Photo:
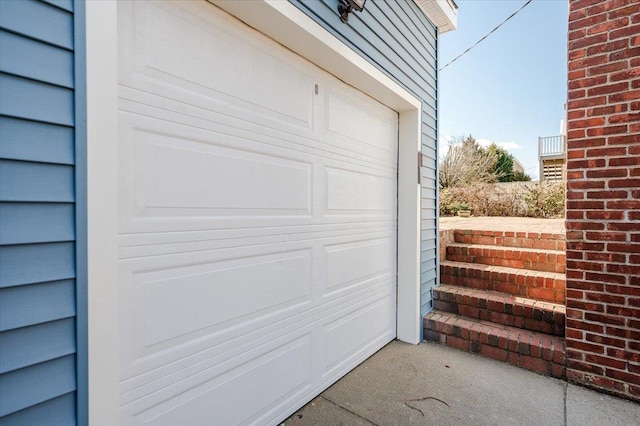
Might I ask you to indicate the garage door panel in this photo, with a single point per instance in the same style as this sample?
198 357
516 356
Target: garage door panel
232 394
355 192
187 355
222 128
353 262
175 176
354 122
172 304
182 300
350 336
218 136
257 226
208 113
374 283
169 303
174 370
152 170
198 39
240 398
168 374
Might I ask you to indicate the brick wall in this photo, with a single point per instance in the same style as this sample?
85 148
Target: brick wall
603 196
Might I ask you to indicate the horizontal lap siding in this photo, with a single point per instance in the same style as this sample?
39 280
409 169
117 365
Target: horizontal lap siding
38 344
399 40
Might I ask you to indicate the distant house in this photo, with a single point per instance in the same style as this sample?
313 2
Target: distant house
552 155
210 211
517 166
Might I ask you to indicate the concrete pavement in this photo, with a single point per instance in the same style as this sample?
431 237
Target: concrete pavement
494 223
431 384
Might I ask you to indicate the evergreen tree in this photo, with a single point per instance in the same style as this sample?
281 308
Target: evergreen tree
504 163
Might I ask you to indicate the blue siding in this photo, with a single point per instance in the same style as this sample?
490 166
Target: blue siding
36 60
38 20
38 142
30 99
58 411
63 4
36 222
22 264
20 389
397 38
29 181
39 333
19 348
22 306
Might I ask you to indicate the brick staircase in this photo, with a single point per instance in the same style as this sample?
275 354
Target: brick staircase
502 296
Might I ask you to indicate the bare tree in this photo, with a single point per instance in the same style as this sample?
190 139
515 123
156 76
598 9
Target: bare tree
466 163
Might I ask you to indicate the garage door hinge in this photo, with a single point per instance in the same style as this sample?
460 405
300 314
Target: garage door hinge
419 167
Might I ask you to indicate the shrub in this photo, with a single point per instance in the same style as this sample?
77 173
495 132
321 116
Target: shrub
451 200
521 177
466 162
546 199
521 199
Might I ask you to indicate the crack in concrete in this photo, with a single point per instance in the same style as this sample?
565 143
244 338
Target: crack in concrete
428 397
406 404
349 411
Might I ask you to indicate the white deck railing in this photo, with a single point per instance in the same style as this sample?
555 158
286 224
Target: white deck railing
551 146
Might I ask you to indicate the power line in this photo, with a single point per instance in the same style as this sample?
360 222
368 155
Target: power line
488 34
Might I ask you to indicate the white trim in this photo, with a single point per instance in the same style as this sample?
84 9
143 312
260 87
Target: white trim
409 147
443 13
102 208
289 26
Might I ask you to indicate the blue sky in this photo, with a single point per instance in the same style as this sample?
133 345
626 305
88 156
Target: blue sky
511 88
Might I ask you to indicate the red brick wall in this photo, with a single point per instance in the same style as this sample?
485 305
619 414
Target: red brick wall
603 196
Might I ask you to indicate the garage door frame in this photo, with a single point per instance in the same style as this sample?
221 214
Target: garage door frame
286 24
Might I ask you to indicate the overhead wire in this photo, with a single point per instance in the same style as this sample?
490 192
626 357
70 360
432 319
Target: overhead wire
487 35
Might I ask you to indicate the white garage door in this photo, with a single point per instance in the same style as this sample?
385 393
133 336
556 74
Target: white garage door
257 221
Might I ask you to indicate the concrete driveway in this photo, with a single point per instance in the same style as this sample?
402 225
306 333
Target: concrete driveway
430 384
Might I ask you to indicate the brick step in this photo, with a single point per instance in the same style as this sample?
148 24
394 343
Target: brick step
512 257
537 352
537 240
538 285
501 308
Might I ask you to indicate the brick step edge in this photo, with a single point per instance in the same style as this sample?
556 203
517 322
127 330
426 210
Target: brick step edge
538 285
538 240
501 308
511 257
537 352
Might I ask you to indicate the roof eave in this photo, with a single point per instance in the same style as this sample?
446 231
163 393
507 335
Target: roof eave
443 13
